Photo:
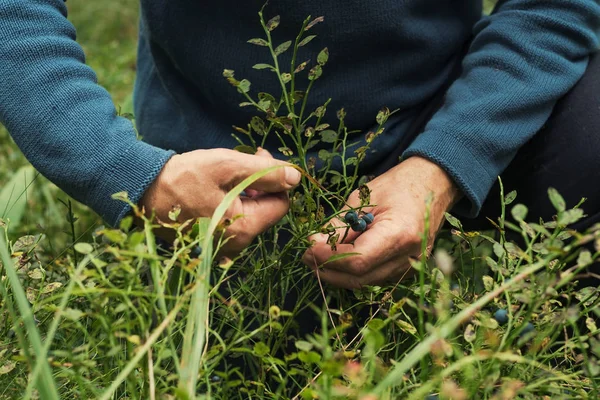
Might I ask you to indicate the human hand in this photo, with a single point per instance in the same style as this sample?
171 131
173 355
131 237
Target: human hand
399 197
197 182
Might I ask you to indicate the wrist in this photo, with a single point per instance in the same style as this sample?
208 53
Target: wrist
436 179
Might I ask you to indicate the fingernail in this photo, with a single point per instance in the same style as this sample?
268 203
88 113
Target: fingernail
292 176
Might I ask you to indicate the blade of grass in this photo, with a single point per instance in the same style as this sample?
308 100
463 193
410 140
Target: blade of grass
142 350
196 330
46 385
54 325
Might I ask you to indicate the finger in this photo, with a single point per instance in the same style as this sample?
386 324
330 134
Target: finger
241 166
260 152
257 215
389 273
375 246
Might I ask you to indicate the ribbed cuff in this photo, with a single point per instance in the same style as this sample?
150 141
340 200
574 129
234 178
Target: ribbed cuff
468 171
137 167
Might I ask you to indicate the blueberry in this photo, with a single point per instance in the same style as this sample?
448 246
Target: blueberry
501 315
368 218
455 286
432 397
351 217
528 328
196 251
215 378
359 226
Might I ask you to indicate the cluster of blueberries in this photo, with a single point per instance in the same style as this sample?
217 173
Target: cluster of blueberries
501 315
358 224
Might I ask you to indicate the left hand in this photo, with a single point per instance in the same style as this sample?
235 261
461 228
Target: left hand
399 197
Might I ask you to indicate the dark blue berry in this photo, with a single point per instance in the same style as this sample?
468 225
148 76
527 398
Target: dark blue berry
359 226
528 328
196 251
432 397
368 218
243 194
351 217
455 286
501 315
215 378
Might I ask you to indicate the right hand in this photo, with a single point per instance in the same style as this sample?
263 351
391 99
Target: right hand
197 181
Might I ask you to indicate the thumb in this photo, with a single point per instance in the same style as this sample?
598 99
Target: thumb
281 179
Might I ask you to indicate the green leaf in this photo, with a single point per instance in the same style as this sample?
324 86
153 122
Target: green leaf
324 155
454 221
286 77
382 116
519 212
282 47
376 324
72 314
301 67
243 148
261 349
14 195
244 86
488 283
51 287
510 197
329 136
306 40
83 248
557 200
273 22
7 367
315 73
469 334
570 216
286 151
263 66
309 357
258 125
303 345
323 56
311 144
314 22
584 258
259 42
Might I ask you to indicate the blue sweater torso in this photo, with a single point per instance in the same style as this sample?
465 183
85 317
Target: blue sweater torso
521 60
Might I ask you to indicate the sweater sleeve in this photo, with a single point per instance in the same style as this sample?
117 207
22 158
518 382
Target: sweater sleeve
522 59
64 123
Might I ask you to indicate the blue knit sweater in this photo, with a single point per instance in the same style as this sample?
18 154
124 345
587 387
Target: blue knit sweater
521 60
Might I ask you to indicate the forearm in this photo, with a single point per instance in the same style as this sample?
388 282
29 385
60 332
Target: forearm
65 123
521 61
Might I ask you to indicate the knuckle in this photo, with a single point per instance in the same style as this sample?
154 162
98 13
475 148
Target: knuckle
359 266
410 238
